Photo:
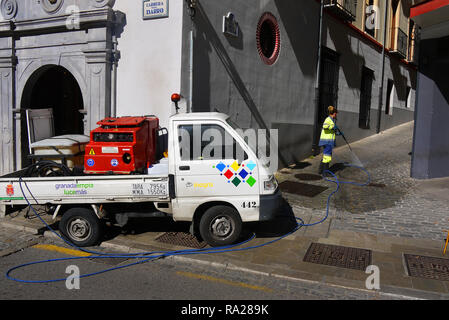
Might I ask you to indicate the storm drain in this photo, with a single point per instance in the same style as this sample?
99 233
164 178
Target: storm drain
181 239
427 267
308 177
302 189
338 256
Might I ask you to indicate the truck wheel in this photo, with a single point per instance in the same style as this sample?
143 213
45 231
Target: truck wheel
81 227
220 226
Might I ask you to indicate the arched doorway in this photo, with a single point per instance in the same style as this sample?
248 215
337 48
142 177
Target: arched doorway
53 87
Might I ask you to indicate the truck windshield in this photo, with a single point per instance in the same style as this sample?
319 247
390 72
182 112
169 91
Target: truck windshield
251 142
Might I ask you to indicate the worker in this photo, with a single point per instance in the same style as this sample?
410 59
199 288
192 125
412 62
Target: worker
327 139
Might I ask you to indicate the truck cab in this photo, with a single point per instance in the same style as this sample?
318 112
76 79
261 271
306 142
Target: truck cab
217 180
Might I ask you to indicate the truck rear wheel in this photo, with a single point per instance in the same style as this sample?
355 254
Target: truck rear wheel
81 227
220 226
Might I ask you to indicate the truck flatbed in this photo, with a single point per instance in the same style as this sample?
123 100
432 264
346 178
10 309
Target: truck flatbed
90 189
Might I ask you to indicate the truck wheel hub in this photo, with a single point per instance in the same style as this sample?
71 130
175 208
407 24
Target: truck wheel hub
221 227
79 229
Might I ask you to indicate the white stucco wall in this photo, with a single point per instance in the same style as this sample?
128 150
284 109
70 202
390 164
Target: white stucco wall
149 70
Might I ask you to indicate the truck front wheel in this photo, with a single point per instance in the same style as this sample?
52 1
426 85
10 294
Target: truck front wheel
81 227
220 226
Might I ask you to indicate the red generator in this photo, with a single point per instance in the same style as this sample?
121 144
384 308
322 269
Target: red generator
122 145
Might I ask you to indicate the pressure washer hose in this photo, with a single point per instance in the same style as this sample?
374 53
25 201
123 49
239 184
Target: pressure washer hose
149 256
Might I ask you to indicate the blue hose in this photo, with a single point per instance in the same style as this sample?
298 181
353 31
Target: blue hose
149 256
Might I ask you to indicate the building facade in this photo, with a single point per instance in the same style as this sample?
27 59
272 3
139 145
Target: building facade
265 75
431 147
255 60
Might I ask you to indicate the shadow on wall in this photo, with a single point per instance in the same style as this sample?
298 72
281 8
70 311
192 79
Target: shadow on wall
400 81
209 35
206 39
202 70
413 78
350 62
299 18
442 63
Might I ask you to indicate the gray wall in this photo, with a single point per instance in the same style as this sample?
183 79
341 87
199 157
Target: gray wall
431 144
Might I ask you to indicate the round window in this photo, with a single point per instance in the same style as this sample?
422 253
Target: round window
51 6
268 38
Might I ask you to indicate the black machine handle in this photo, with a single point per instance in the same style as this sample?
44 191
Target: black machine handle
184 168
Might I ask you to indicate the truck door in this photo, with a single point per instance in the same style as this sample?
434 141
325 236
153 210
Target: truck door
212 165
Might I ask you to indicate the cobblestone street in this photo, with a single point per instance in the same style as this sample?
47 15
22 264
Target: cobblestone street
392 204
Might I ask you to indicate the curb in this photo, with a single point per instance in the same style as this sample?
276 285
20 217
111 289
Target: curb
19 227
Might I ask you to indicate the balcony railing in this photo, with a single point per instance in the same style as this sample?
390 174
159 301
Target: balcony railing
399 46
345 9
413 47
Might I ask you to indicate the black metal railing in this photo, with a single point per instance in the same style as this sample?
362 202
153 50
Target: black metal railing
400 45
413 47
345 9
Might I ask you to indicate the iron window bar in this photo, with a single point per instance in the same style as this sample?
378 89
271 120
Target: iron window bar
345 9
400 43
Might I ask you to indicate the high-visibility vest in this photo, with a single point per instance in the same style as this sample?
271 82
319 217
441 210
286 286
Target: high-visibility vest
328 132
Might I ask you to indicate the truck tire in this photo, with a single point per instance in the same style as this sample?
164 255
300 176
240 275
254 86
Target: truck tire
220 226
81 227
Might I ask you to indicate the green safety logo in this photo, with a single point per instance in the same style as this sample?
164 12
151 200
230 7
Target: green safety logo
238 174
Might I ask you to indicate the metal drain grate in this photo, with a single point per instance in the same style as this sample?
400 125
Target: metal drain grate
181 239
427 267
338 256
302 189
308 176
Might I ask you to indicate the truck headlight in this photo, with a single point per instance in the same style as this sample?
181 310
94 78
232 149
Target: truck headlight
271 184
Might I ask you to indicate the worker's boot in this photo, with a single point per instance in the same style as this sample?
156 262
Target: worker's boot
326 168
320 170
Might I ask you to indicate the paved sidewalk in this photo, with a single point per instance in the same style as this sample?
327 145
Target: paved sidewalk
393 216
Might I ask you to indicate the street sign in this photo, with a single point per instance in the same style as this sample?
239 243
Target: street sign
155 9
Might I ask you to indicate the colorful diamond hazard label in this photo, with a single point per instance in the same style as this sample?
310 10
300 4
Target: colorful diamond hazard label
236 173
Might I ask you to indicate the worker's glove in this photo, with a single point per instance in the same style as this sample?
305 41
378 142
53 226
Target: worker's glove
338 132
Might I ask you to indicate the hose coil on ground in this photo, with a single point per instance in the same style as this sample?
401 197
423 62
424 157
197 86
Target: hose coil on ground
149 256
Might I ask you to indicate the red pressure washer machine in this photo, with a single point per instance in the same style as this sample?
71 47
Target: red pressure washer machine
122 145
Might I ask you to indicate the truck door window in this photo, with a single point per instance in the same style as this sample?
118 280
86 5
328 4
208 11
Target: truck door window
208 142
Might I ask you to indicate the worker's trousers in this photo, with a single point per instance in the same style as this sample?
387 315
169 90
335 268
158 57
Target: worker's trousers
327 153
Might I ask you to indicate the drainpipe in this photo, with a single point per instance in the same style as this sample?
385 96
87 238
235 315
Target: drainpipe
315 148
115 55
190 104
381 89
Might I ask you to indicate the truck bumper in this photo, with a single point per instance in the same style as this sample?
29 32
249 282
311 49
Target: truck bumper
270 205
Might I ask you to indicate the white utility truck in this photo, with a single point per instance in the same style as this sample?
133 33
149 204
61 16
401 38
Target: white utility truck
216 191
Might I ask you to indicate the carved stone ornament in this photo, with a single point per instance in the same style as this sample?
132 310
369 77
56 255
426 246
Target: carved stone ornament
51 6
9 9
102 3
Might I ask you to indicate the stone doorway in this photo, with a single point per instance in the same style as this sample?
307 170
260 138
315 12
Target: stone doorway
53 87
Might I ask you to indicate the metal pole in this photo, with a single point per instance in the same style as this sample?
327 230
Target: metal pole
190 106
315 148
381 89
114 77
